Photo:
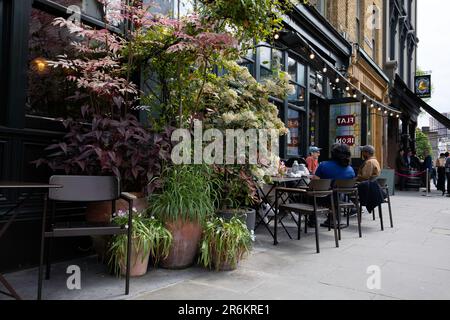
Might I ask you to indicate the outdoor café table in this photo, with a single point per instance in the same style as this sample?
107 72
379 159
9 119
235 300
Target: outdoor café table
277 182
30 188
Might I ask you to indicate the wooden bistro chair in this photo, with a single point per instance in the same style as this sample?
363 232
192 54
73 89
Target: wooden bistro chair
387 199
347 199
318 189
83 189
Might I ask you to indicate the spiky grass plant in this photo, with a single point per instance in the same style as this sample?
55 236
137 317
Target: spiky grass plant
224 243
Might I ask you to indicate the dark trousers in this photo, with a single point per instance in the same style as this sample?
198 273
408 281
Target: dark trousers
448 183
441 179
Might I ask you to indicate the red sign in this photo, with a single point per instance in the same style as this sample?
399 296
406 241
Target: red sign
348 140
345 121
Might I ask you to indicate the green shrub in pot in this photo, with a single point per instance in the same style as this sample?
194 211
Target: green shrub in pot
224 243
149 238
184 203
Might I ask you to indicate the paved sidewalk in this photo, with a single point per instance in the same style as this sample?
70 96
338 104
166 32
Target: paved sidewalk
414 260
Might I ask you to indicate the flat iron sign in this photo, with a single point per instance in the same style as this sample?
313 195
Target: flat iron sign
348 140
345 126
345 120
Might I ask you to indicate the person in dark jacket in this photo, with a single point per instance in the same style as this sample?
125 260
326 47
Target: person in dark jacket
402 168
440 168
447 172
428 165
415 161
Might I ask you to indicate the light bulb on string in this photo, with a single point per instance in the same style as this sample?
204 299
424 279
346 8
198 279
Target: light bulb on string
347 88
325 69
365 100
276 36
337 80
372 105
312 56
354 94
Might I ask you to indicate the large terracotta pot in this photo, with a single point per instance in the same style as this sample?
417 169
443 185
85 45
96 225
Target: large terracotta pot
186 239
139 263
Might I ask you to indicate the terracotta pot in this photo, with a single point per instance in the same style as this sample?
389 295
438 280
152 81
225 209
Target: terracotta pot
139 263
100 212
226 266
186 239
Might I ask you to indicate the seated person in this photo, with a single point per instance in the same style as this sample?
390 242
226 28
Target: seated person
313 159
370 169
338 168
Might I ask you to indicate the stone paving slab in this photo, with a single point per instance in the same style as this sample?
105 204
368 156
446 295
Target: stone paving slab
413 257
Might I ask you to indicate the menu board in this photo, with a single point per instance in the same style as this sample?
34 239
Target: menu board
345 126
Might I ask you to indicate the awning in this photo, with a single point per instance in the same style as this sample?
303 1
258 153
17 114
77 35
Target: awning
412 98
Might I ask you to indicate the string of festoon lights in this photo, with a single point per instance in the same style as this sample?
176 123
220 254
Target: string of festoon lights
339 81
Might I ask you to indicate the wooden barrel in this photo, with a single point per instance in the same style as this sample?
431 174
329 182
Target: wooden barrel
414 182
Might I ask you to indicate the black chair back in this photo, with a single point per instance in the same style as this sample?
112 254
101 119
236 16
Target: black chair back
85 188
320 185
345 184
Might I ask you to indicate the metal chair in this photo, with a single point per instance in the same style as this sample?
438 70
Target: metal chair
384 186
318 189
83 189
347 198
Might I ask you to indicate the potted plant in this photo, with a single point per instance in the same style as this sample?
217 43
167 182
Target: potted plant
107 146
149 238
237 195
184 202
224 243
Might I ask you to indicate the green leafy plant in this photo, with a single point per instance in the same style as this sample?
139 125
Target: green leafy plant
149 236
188 193
423 145
224 243
251 19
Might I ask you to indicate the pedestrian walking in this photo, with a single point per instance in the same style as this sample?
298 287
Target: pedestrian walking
447 172
428 165
440 168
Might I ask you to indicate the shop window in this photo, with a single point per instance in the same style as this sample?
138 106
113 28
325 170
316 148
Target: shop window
313 128
270 59
293 136
48 88
170 7
298 97
301 72
94 9
292 69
